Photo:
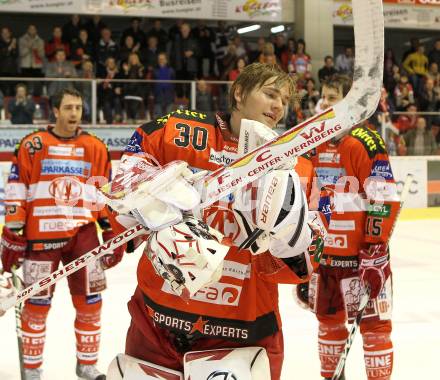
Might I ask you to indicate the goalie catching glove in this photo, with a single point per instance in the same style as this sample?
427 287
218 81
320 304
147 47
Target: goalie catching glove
155 196
188 255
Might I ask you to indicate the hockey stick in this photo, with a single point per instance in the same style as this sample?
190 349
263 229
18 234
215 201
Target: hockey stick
357 106
104 249
366 295
18 309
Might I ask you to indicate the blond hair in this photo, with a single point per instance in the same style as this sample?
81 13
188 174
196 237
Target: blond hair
255 75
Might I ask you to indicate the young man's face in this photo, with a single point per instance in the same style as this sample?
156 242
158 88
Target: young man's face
265 104
330 96
69 114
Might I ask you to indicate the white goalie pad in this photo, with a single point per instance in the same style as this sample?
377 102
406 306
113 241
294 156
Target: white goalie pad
7 291
245 363
125 367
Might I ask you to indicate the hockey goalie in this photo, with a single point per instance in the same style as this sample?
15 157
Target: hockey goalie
197 289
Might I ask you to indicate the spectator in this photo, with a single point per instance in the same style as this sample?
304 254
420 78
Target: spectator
309 98
31 53
94 27
222 35
280 45
434 54
2 100
161 35
149 56
300 63
240 47
420 141
345 62
22 107
127 48
414 44
416 65
85 88
56 43
174 30
428 99
72 28
185 51
434 73
82 49
163 91
328 70
389 62
206 39
435 129
268 56
287 53
8 59
239 66
136 32
60 68
110 93
408 121
403 93
255 54
133 92
391 81
106 48
204 101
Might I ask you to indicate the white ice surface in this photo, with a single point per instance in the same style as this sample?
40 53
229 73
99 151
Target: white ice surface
416 334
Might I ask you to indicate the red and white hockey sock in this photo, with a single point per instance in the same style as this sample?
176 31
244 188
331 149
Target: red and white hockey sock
33 326
331 342
87 327
378 355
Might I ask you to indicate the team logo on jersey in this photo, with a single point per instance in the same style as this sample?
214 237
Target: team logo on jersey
65 167
134 145
329 157
382 168
66 150
223 157
66 190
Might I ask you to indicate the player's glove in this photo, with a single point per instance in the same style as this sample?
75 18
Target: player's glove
374 267
110 260
12 247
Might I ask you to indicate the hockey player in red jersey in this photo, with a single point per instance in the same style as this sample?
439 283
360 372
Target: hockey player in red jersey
51 212
355 169
238 307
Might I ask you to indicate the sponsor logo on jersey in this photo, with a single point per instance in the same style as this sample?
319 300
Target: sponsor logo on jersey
382 168
379 210
222 158
56 225
220 294
329 176
61 210
65 167
67 151
342 225
370 139
134 144
14 173
329 157
236 270
44 246
336 241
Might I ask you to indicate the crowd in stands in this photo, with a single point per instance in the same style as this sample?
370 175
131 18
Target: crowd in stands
90 49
